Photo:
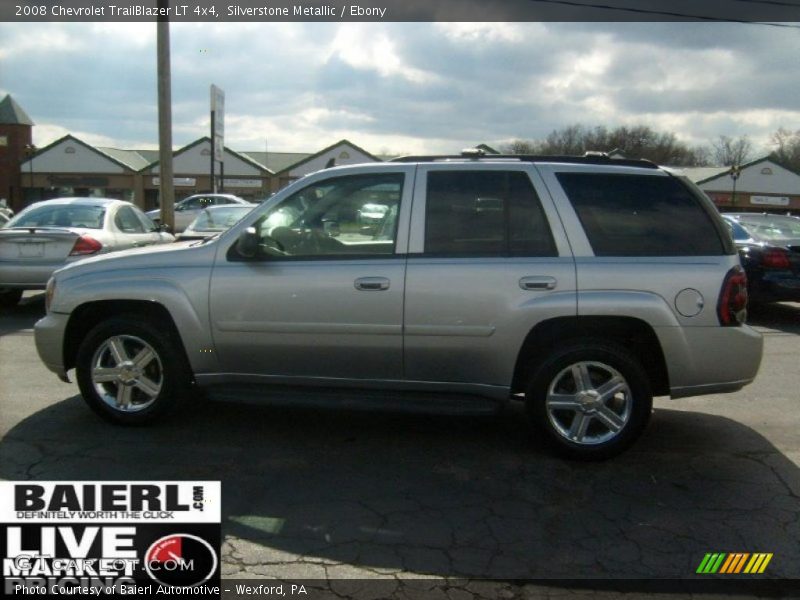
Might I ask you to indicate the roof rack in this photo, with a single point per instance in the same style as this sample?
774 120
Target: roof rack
590 158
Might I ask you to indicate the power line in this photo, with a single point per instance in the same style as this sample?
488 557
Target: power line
665 13
772 2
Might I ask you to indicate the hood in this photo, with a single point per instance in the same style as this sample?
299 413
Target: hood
161 256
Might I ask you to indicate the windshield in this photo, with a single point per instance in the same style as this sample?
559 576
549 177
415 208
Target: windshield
772 227
219 219
60 215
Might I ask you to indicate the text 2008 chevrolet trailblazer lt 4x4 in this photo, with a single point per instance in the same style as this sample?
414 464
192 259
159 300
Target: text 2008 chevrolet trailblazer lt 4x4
582 286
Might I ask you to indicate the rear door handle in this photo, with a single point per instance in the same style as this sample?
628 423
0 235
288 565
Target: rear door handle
372 284
538 282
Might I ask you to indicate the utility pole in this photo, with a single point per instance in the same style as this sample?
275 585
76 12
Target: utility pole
166 179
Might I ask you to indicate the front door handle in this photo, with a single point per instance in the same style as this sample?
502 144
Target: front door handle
538 282
372 284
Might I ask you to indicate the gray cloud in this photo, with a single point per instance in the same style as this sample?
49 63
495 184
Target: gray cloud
431 86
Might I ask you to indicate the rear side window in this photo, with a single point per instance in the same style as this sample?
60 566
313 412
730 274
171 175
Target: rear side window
640 215
485 213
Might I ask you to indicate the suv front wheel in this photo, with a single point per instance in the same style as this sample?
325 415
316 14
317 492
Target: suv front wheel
590 400
131 372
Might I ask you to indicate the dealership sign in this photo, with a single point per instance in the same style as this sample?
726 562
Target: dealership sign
770 200
111 537
178 181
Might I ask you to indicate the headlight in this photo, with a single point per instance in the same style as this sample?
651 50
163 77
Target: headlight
49 292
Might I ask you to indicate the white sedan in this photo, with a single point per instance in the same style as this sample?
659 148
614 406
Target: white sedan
49 234
189 208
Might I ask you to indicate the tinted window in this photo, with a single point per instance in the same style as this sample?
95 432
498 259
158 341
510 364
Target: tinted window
485 213
640 215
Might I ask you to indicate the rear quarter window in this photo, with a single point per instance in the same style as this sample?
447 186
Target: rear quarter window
641 215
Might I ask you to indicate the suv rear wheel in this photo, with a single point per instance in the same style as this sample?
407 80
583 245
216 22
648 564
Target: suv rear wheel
131 372
590 400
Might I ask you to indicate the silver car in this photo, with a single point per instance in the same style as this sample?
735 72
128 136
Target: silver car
214 220
49 234
186 210
579 286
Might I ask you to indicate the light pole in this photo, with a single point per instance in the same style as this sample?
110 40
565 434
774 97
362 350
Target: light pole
736 170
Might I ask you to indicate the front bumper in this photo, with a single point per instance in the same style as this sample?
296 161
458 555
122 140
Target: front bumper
49 335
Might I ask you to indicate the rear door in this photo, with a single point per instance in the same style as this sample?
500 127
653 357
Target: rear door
487 260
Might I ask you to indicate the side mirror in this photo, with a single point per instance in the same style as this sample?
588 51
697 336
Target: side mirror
247 244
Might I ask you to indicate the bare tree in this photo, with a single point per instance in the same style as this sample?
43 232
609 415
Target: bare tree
637 141
787 148
520 147
728 151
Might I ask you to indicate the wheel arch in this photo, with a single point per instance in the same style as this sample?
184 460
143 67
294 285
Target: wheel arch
628 332
88 315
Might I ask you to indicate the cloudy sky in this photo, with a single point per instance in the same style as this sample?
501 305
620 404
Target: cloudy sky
397 87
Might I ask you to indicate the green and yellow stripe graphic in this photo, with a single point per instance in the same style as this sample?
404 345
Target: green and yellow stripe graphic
735 562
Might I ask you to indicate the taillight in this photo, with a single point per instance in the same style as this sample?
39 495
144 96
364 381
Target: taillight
775 258
85 245
732 306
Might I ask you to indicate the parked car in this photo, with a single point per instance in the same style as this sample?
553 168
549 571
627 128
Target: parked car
769 248
214 220
187 209
49 234
586 286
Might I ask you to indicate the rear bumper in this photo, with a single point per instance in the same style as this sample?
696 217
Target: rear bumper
777 287
710 360
32 276
49 336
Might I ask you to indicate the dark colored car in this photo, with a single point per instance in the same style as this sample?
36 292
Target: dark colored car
769 249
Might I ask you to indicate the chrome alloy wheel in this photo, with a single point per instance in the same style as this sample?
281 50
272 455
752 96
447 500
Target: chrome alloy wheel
127 373
589 403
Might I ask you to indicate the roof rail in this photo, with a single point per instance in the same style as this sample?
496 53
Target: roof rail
590 158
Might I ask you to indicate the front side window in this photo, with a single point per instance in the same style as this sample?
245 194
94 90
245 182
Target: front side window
127 222
641 215
485 213
343 216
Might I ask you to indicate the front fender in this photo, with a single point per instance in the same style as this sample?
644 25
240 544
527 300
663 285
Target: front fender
185 299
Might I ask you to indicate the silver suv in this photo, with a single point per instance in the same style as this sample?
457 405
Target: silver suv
582 286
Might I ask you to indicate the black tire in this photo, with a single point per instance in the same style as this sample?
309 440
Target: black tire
576 419
154 388
9 297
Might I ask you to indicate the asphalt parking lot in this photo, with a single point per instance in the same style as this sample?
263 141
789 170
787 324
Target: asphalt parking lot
312 494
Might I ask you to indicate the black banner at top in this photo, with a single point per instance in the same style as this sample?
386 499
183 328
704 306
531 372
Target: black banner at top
783 11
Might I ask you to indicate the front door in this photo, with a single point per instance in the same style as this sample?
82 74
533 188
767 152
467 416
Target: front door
323 297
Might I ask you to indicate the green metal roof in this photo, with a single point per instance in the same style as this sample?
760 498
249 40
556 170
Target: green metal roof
276 161
132 158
